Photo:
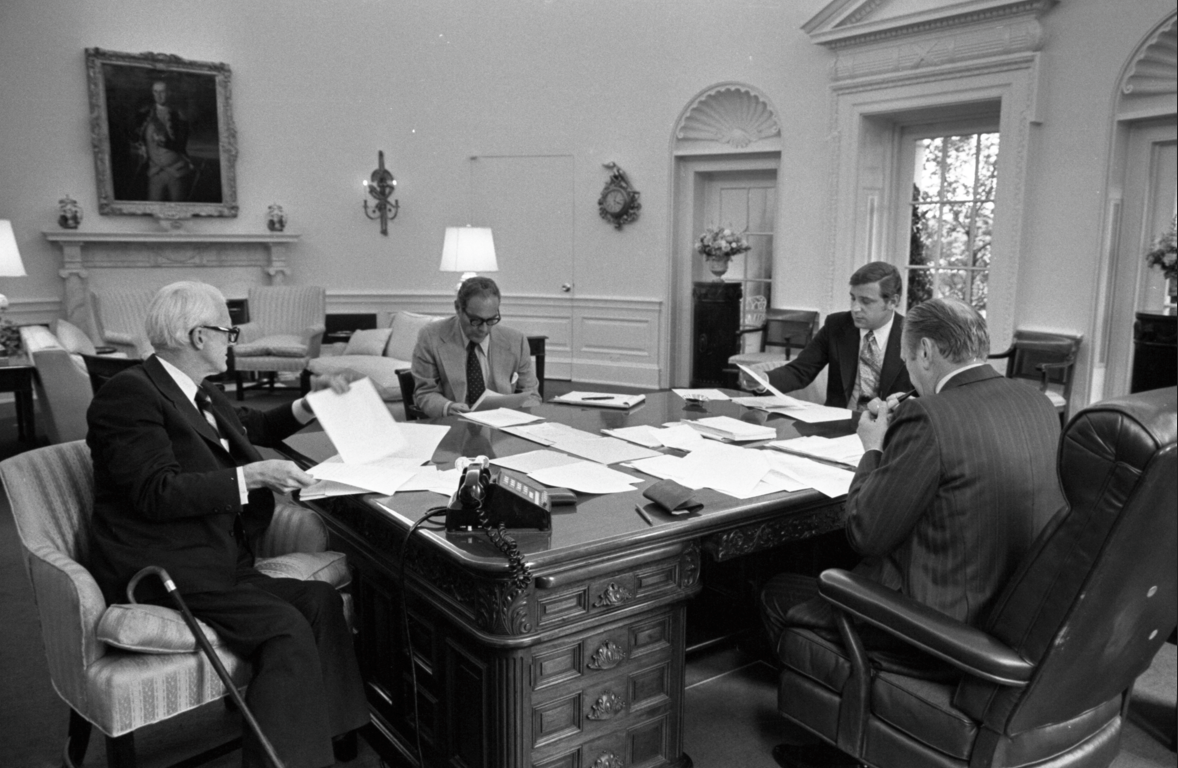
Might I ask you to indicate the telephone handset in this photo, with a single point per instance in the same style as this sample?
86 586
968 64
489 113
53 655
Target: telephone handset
496 503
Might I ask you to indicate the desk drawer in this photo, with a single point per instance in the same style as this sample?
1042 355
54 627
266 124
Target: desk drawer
597 654
643 743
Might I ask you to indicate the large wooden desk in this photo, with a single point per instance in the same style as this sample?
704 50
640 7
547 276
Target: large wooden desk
584 668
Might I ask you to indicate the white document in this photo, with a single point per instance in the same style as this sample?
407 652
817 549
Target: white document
827 480
727 468
648 437
534 460
358 422
430 479
586 477
681 437
774 403
491 399
547 433
382 476
664 467
705 394
811 413
599 399
847 449
421 440
500 417
604 450
728 428
774 482
325 488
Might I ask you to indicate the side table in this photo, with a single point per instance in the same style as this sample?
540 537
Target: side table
17 377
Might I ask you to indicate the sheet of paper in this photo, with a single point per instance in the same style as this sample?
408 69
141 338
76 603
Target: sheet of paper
847 449
815 414
648 437
770 402
599 399
774 482
382 476
681 436
736 430
430 479
534 460
604 450
546 433
421 441
358 422
501 417
325 488
727 468
586 477
706 394
664 467
827 480
490 400
761 378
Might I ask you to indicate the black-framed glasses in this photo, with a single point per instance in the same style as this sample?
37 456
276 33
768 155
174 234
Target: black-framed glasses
479 322
232 333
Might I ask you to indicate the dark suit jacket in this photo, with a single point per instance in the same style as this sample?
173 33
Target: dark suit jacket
165 488
837 345
964 483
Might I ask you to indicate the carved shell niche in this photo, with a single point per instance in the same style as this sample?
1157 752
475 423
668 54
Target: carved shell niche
1154 70
730 115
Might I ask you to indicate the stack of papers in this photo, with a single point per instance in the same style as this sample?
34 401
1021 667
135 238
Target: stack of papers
734 430
701 394
600 399
726 468
500 417
827 480
842 450
792 407
492 399
563 471
603 450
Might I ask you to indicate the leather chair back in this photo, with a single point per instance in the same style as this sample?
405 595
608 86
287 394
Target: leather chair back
1097 596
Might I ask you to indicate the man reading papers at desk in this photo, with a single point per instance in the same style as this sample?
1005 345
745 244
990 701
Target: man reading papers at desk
860 348
179 484
950 493
457 359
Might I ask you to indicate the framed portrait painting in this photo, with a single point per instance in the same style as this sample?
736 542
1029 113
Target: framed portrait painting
163 137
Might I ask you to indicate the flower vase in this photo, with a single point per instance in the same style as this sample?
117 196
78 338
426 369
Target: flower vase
718 266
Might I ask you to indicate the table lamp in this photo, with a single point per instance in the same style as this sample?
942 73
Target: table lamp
468 250
10 263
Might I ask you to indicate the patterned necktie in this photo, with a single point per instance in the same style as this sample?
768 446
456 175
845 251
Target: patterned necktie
867 382
205 407
475 386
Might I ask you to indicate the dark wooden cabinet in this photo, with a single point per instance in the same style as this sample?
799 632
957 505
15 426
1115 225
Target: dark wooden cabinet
1155 351
715 329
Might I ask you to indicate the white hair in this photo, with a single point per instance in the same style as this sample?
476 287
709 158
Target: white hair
178 308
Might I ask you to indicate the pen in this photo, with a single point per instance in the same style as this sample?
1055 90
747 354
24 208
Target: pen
642 513
905 396
599 397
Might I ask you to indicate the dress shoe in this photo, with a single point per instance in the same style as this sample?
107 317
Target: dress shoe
812 756
345 747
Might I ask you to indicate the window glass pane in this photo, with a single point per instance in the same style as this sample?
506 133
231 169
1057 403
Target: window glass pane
983 223
956 221
980 291
920 286
952 283
987 165
761 204
927 181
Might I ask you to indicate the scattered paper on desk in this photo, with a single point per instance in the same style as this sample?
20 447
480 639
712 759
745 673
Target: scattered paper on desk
599 399
604 450
706 394
773 482
421 441
382 476
827 480
325 488
430 479
816 414
728 428
547 433
534 460
847 449
491 399
727 468
500 417
681 436
647 437
586 477
776 403
358 422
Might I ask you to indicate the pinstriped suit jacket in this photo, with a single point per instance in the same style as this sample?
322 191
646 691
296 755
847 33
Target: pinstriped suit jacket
965 481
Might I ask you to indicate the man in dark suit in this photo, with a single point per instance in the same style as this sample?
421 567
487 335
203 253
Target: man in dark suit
178 484
860 348
952 489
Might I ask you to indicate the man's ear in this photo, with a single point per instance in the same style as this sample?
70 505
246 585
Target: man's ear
926 352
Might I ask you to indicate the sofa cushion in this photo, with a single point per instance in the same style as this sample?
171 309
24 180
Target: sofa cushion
150 629
278 345
368 342
404 336
72 338
382 371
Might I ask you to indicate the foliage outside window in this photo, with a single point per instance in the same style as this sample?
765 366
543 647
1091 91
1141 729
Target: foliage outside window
952 218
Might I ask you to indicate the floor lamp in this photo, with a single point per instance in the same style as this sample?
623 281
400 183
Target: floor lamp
468 250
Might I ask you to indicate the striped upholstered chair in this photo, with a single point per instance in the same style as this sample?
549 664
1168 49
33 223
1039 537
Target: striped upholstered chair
121 667
284 332
119 315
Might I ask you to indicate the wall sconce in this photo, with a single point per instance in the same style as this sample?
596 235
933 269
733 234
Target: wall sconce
381 186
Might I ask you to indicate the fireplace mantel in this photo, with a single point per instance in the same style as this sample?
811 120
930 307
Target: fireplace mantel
85 251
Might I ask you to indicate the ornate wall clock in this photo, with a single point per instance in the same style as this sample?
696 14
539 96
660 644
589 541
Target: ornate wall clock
618 203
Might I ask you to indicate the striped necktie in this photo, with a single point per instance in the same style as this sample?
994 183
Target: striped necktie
475 386
206 409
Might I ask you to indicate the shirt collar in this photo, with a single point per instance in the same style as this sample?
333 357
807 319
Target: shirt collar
484 345
182 379
945 379
881 333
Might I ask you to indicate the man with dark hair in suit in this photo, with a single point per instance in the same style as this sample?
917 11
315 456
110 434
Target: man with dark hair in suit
459 358
953 488
860 348
179 485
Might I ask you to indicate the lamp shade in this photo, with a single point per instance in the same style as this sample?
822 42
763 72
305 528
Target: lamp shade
10 263
468 249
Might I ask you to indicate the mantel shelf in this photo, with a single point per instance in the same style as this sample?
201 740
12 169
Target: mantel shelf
81 238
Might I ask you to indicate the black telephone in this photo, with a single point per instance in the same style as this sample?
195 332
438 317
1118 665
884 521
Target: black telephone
496 503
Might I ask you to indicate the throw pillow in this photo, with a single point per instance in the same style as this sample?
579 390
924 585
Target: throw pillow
368 342
150 629
403 339
72 338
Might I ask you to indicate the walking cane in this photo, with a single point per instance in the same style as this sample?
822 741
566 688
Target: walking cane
205 646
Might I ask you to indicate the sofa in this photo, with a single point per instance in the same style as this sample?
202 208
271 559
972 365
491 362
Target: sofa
377 353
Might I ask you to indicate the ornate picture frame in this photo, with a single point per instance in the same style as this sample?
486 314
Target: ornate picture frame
163 136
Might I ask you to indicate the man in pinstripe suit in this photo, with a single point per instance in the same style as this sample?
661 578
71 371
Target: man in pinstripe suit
953 487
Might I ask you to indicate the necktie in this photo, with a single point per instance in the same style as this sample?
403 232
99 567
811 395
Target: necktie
475 386
206 410
867 381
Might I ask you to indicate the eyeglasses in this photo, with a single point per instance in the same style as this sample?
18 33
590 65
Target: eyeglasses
232 333
479 322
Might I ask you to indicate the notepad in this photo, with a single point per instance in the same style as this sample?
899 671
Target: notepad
735 430
600 399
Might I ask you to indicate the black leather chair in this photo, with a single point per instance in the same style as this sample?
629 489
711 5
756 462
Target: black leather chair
1048 359
1046 679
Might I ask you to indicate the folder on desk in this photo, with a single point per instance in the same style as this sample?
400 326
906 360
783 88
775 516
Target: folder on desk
734 430
600 399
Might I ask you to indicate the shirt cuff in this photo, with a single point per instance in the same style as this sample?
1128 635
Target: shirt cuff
302 411
446 408
242 492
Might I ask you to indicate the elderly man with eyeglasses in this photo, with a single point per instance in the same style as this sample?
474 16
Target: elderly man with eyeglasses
179 484
457 359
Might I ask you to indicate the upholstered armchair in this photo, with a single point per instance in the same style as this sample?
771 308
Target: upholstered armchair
1048 360
61 383
284 332
1046 679
120 314
121 667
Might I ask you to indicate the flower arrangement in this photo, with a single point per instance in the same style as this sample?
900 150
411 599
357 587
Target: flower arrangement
1164 255
721 243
